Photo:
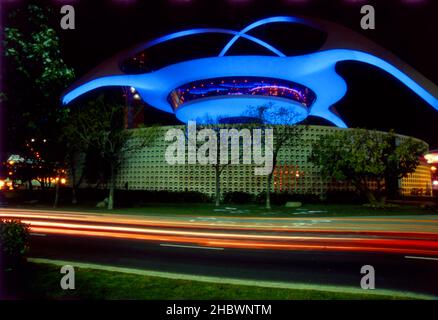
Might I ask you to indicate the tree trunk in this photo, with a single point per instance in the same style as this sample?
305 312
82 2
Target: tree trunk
74 199
381 194
269 178
371 198
55 204
111 189
218 186
268 191
369 194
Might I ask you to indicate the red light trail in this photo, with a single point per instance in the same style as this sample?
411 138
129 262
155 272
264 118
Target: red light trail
396 235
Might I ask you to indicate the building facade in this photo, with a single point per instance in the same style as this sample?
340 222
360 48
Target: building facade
147 169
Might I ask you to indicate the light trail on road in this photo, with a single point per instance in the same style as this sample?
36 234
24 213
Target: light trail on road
332 225
409 236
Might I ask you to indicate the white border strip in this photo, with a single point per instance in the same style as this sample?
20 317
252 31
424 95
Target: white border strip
421 258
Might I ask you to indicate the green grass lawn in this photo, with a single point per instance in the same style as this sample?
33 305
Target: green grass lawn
99 284
205 209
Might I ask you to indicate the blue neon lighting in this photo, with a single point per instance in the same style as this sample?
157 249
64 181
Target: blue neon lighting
240 86
315 71
191 32
259 23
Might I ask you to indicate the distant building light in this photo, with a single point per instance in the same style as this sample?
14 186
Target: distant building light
63 181
435 182
432 157
132 90
32 140
433 168
15 158
136 96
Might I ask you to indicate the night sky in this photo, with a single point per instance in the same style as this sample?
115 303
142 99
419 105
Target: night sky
374 100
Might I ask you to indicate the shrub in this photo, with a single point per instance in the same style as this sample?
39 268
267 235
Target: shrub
238 197
13 246
14 237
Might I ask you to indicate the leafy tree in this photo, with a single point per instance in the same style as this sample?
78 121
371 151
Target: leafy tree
218 166
287 134
364 157
216 124
36 76
100 125
77 148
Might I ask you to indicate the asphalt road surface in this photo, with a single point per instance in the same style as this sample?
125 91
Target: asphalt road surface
326 251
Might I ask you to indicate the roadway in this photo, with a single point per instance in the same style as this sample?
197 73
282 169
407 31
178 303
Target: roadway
328 251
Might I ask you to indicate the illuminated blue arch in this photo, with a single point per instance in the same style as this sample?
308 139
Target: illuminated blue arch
315 70
262 22
191 32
